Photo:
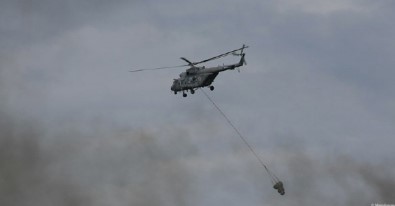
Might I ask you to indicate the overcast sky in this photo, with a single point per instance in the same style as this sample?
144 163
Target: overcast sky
316 101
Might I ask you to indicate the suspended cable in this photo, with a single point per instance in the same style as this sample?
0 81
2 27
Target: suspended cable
278 185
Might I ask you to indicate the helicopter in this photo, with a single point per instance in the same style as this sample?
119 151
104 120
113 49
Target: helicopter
199 76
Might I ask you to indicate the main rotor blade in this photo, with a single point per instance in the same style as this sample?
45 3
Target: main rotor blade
194 63
221 55
189 62
139 70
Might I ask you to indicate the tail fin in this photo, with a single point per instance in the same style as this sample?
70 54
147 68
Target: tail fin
242 61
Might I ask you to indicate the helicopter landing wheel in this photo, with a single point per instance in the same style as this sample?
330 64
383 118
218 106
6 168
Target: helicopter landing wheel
211 88
184 95
175 92
192 91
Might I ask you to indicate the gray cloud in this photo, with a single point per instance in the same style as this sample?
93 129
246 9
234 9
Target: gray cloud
171 166
25 22
25 178
337 179
72 167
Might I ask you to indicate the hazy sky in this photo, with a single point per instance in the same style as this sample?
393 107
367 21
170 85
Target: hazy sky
316 100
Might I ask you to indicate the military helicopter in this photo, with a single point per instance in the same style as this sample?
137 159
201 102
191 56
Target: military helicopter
199 76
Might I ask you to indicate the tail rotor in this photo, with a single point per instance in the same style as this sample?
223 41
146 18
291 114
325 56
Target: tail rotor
242 49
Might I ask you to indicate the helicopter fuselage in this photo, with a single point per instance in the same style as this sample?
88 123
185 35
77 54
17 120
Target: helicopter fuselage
193 81
196 77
